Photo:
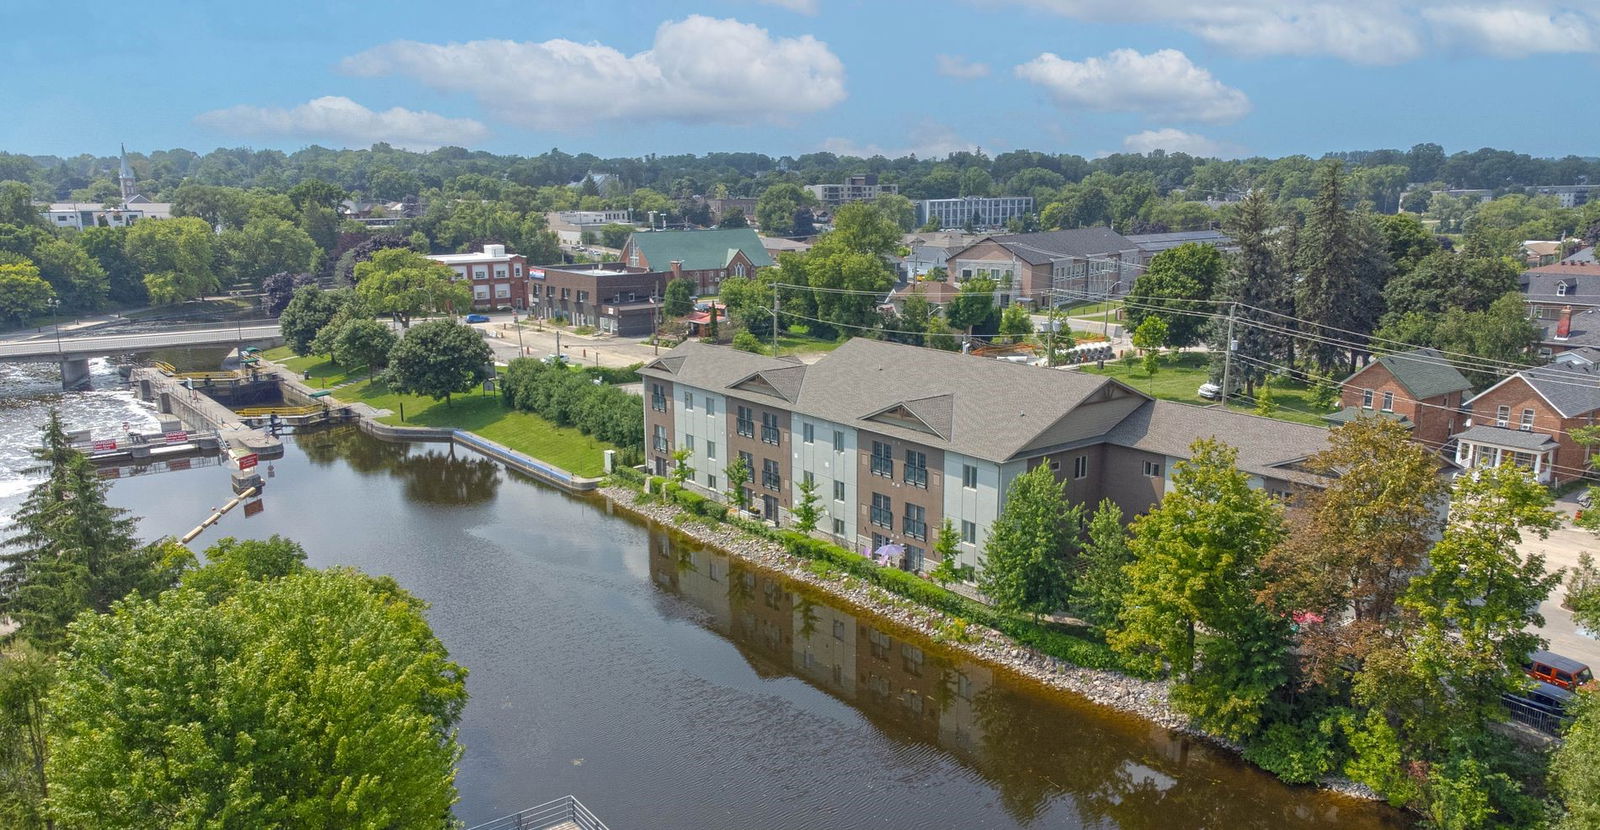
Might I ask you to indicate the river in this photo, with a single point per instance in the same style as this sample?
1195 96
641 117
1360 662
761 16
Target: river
669 687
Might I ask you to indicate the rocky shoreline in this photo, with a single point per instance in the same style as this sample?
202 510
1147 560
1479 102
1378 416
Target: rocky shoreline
1143 698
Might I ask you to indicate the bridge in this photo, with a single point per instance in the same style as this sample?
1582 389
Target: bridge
73 353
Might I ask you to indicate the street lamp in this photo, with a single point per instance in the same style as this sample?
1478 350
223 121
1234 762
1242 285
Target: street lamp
55 306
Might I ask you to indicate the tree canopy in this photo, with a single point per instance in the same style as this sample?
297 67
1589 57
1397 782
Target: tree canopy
440 358
403 283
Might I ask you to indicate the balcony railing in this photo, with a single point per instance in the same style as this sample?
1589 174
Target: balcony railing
769 435
566 811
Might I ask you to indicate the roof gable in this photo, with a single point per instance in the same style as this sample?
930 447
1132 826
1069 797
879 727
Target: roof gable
931 415
783 382
1425 373
706 250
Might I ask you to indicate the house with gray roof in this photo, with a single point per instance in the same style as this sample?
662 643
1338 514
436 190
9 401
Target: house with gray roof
1051 267
1420 388
706 256
1528 419
1151 244
1551 290
897 440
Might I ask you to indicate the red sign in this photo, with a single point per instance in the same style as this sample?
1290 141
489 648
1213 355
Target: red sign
105 445
178 464
111 472
177 437
248 461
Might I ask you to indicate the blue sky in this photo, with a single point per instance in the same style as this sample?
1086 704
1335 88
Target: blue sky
613 77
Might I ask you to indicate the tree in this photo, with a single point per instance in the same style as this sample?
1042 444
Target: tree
1447 280
1501 333
1175 288
1098 591
265 246
1266 401
711 326
681 471
1342 266
176 256
364 343
1583 593
344 271
733 218
973 305
181 711
232 562
308 312
25 678
947 547
1406 240
1573 774
279 288
744 341
125 283
440 358
1150 337
779 206
678 299
1028 557
738 474
1196 565
615 235
1015 323
806 511
77 278
403 283
23 293
1255 283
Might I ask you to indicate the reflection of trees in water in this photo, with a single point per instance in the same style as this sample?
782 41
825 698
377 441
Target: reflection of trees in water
431 476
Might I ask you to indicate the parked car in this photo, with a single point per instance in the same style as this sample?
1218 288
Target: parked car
1557 670
477 318
1210 391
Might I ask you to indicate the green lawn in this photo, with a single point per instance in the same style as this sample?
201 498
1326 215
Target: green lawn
485 415
323 372
1085 309
1181 375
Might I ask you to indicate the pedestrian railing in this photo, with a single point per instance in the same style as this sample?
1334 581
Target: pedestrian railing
566 811
1534 715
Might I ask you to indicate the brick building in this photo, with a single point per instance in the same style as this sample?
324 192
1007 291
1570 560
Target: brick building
898 439
707 257
608 296
1064 266
1419 388
499 279
1528 419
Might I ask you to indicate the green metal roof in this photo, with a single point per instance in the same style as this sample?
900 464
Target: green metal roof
700 250
1425 372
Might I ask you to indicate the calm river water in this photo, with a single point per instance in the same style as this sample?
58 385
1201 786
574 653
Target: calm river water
668 687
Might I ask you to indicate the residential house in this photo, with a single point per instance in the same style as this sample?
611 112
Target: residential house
1582 357
1419 388
1528 419
1582 256
1150 244
897 440
499 279
1537 252
1052 267
778 245
708 257
974 211
938 293
1550 288
860 188
927 251
608 296
1569 330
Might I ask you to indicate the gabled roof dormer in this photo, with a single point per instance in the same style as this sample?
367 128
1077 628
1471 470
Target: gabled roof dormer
932 415
781 383
670 364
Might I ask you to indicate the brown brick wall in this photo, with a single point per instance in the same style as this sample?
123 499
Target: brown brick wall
1434 419
760 450
1570 458
900 493
659 463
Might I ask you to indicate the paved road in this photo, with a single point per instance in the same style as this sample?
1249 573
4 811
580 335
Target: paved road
1561 551
104 344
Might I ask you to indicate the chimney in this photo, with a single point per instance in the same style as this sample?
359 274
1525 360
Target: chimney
677 268
1564 325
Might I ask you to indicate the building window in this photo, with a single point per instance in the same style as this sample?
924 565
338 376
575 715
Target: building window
838 491
838 530
1366 399
969 476
1080 466
688 443
658 398
659 443
688 401
838 440
881 515
769 428
711 449
810 478
915 524
882 459
769 474
916 471
1502 416
1527 420
745 423
914 562
807 432
711 483
1388 402
969 532
1152 469
1561 289
711 407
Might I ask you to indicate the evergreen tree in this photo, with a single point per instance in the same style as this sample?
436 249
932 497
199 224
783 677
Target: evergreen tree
1028 559
1342 266
1254 280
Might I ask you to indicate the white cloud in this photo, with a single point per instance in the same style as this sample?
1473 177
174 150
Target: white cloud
1513 32
801 6
336 118
1164 83
698 70
928 140
1359 31
955 66
1177 141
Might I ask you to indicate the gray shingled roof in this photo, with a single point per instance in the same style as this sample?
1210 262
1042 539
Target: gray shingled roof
1157 242
1425 373
1267 447
1512 438
1584 331
1583 284
1572 390
711 367
1040 248
1355 413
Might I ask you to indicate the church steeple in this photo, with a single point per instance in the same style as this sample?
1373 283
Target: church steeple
125 178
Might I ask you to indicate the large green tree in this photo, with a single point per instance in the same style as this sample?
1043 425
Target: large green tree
25 678
364 343
1447 280
1197 568
308 312
1255 283
778 205
403 283
1029 556
679 298
1177 287
440 358
1574 776
1100 587
266 246
176 256
1342 267
317 699
77 278
23 293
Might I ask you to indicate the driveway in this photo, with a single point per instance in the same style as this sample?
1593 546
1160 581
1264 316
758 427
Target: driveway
1561 550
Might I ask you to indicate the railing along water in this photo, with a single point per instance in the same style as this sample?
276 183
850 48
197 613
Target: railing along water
566 811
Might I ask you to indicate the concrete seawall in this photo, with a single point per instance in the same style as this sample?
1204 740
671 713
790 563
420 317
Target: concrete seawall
198 411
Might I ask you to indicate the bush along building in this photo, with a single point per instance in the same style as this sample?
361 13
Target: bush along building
897 439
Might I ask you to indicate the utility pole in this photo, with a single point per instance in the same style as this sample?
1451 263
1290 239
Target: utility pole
1227 355
655 323
774 321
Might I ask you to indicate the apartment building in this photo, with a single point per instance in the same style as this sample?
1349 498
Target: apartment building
608 296
1420 389
861 188
1052 267
499 279
974 211
897 439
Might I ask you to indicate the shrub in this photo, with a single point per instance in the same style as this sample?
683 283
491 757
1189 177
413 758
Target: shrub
568 397
1299 753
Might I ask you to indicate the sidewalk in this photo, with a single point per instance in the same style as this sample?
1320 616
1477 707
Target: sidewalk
1561 550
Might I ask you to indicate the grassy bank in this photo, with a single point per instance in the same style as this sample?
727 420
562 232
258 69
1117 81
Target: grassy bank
319 372
1181 375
